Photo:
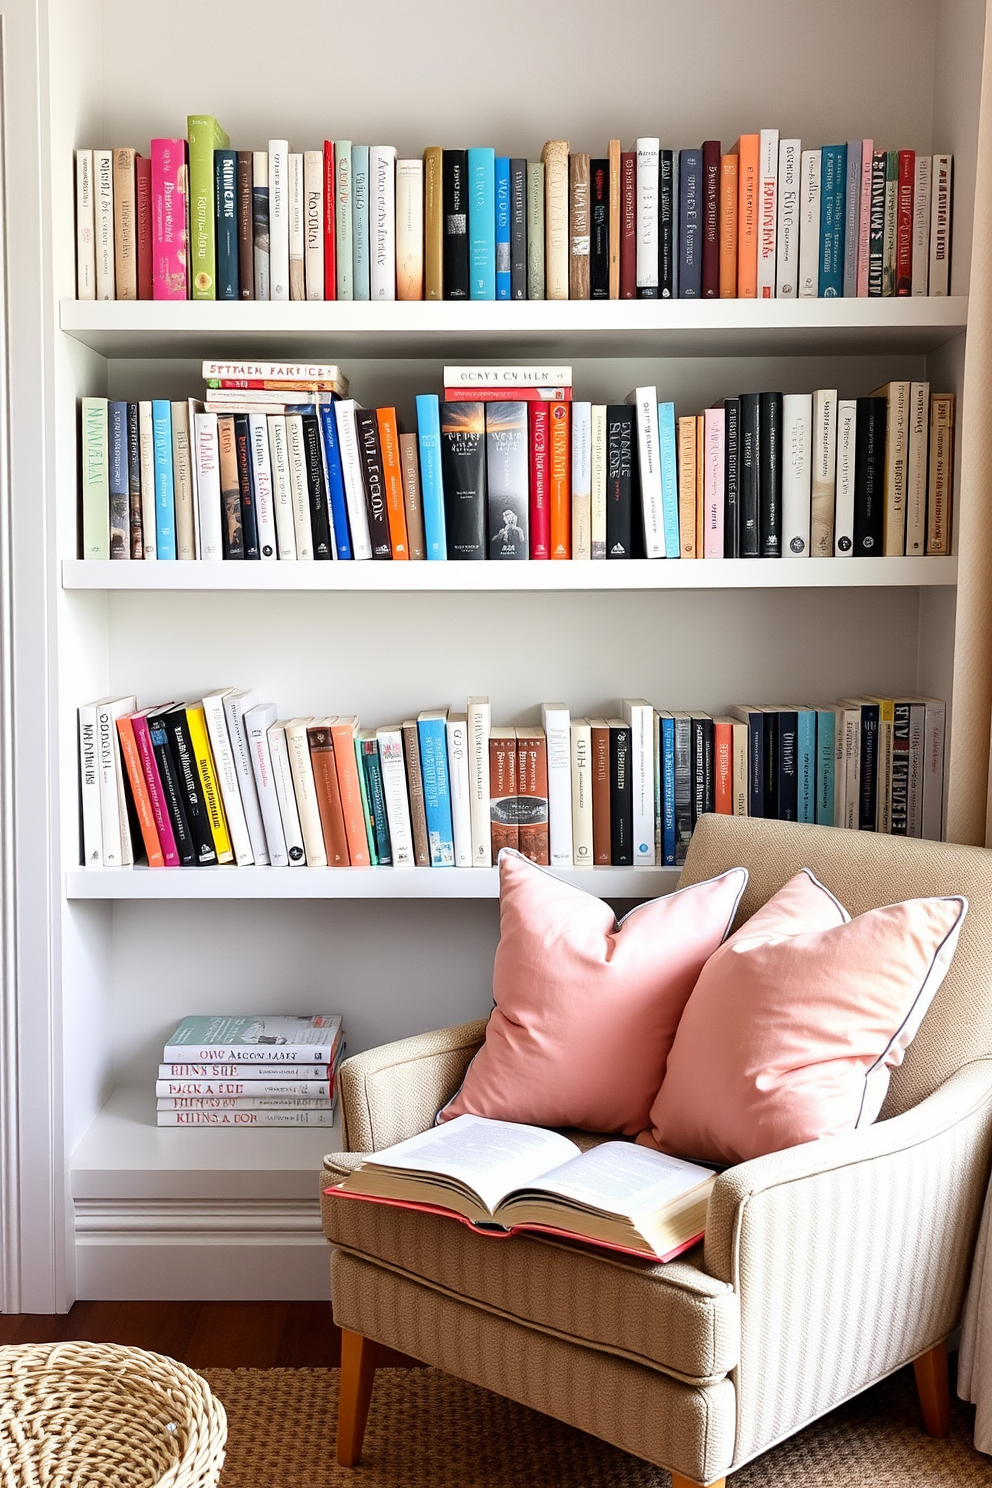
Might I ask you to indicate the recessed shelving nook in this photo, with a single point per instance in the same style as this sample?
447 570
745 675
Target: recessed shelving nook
105 1205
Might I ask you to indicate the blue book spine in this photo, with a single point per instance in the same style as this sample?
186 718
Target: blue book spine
165 503
806 763
826 738
360 220
226 214
481 224
668 791
690 224
502 227
335 482
431 486
432 733
833 206
669 480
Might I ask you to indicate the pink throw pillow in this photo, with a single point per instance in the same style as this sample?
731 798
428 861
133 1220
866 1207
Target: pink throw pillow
795 1023
586 1008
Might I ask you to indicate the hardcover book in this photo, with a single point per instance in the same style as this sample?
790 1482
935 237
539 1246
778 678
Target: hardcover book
454 168
507 479
463 463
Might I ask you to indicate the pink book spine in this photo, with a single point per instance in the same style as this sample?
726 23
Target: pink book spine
169 259
143 195
163 822
864 221
715 433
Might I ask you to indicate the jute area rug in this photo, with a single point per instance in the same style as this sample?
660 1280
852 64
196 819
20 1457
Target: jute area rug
427 1430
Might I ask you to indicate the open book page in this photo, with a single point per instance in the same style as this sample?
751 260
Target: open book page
617 1178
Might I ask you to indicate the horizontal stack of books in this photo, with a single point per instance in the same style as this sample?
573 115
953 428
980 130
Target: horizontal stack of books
762 219
276 1070
508 466
226 781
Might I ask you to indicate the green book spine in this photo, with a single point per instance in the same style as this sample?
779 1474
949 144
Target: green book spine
366 809
891 215
96 479
342 220
535 229
205 136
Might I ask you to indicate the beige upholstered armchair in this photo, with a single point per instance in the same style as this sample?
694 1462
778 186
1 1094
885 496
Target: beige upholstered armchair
824 1268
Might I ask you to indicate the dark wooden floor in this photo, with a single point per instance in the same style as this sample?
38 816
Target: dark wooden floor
204 1335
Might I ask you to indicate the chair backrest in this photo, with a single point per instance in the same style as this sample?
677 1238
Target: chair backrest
865 871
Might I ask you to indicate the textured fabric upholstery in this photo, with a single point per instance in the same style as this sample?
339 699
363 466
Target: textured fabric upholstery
396 1090
684 1427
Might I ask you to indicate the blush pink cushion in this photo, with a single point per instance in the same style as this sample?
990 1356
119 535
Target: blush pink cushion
795 1023
586 1008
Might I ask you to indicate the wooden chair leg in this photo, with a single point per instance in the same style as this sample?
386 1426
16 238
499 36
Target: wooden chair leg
934 1390
678 1481
358 1361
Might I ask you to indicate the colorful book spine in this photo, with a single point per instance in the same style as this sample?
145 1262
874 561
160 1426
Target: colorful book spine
713 490
431 483
165 511
330 217
501 184
432 731
767 225
852 218
539 428
826 721
535 229
226 224
205 136
482 223
335 482
169 204
833 198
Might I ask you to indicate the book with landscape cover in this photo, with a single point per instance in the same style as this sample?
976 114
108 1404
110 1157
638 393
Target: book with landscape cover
279 1038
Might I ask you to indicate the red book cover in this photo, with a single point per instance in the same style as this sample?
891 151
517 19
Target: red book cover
723 766
904 222
143 213
711 219
330 200
560 484
140 792
539 417
628 225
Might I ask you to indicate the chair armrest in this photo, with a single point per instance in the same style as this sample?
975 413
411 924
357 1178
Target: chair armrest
395 1091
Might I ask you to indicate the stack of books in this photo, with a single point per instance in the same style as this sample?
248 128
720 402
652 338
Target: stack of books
762 219
276 1070
226 781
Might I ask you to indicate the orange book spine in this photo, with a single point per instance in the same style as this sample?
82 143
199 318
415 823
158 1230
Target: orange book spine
561 482
503 814
747 216
325 780
349 786
728 227
700 485
687 486
139 790
532 783
392 477
723 766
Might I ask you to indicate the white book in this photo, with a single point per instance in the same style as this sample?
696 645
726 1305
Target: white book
324 1117
227 777
207 486
914 784
305 791
647 214
85 243
182 481
298 489
847 430
940 230
456 729
479 719
539 374
115 835
639 716
797 417
849 722
282 777
146 465
410 229
354 485
787 238
918 418
236 705
597 481
557 733
767 211
193 407
581 478
933 770
313 223
260 242
394 790
852 217
921 225
297 236
89 787
382 222
581 744
821 525
103 224
809 225
282 491
257 722
261 468
278 219
645 400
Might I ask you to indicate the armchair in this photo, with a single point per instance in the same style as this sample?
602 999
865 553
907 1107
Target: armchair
824 1267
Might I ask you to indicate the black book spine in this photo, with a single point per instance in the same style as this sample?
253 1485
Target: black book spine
703 776
619 479
189 786
159 735
320 524
731 498
899 826
454 201
668 247
788 766
621 797
134 481
507 480
709 765
463 476
755 764
770 474
868 802
518 229
246 228
599 246
869 477
367 427
749 494
246 486
683 786
771 765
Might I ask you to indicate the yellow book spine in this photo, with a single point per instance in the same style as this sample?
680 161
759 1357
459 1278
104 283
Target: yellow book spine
433 225
197 724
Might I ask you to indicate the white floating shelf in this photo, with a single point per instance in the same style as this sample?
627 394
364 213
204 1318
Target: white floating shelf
566 328
434 578
344 883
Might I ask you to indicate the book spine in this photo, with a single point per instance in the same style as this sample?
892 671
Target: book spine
165 511
125 226
899 807
507 480
825 745
620 436
325 779
304 791
244 1118
767 212
282 492
409 229
788 765
668 225
904 222
414 786
246 228
789 208
204 136
361 218
437 795
740 769
458 780
296 197
368 442
146 468
260 222
227 779
599 229
182 472
639 717
330 183
770 469
581 482
373 799
207 774
647 219
246 490
852 218
869 476
230 488
749 153
134 482
431 485
599 734
557 733
392 476
711 220
554 158
454 187
891 220
580 227
723 767
434 224
847 424
833 192
920 264
236 705
687 487
281 1101
180 746
89 788
933 771
883 799
715 458
621 797
95 478
156 794
532 792
535 230
731 479
597 481
580 736
334 478
822 490
143 226
691 208
261 480
809 225
668 457
279 212
868 777
896 449
918 429
479 723
864 217
85 243
103 176
750 475
349 788
645 400
628 225
315 489
482 223
382 222
173 796
559 481
463 460
226 225
119 495
501 188
503 799
353 478
876 224
940 484
343 235
940 226
313 223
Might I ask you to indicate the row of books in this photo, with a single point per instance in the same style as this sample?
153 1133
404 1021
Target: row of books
251 474
274 1070
226 781
764 219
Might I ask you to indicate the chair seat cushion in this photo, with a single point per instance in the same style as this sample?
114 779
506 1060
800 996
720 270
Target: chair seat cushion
672 1317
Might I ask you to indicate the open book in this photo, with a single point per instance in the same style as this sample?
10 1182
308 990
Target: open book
499 1177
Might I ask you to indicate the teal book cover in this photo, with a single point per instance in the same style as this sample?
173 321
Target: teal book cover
431 485
482 224
432 733
826 725
165 501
